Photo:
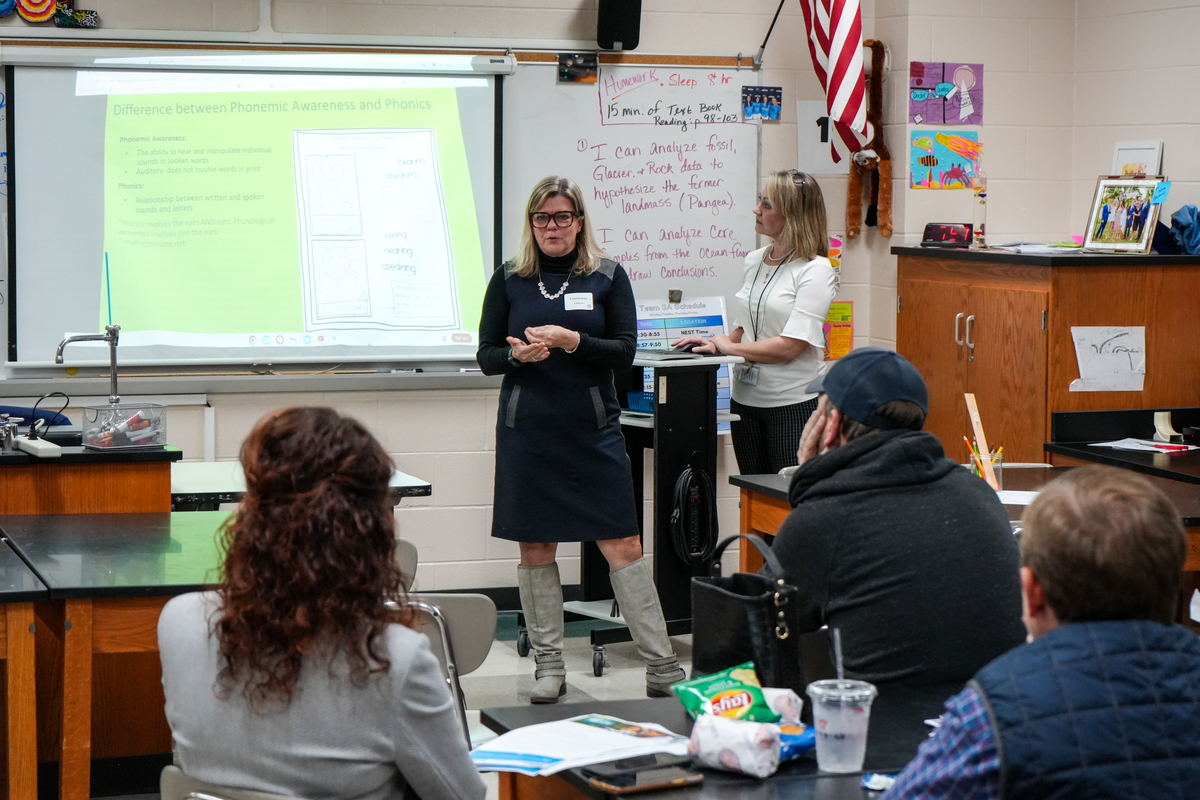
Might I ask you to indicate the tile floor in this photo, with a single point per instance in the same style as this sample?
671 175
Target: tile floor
505 678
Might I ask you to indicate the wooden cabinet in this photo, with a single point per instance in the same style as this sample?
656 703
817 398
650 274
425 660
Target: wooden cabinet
977 336
1021 310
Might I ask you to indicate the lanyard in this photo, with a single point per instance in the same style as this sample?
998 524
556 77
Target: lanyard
756 316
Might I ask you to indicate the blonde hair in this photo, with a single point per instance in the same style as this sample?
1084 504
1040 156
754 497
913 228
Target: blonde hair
797 196
588 253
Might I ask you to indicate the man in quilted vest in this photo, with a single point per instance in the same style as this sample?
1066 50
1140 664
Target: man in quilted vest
1104 700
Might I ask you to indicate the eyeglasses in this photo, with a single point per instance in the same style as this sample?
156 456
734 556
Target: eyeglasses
540 219
798 178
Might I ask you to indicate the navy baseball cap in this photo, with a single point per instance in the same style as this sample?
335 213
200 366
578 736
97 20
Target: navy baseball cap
864 379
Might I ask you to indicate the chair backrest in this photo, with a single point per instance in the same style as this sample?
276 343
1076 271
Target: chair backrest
406 559
173 784
816 655
471 623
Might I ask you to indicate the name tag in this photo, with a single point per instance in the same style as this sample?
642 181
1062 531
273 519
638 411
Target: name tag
578 301
746 373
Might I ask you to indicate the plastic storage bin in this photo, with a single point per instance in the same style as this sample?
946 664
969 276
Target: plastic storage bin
641 401
125 426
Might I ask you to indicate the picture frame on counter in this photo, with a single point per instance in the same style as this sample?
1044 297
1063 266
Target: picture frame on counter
1137 158
1122 217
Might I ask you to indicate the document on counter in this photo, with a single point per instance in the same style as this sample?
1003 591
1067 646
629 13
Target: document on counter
1036 248
1145 445
552 747
1111 359
1014 498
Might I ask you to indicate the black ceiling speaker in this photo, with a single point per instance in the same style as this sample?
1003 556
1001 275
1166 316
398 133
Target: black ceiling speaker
619 24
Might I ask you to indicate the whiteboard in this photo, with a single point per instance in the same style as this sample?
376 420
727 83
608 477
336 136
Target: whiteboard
668 168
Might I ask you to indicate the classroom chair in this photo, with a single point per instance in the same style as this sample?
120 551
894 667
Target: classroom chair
461 629
406 559
173 784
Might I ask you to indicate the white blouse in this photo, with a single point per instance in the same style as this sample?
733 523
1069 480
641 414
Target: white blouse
790 300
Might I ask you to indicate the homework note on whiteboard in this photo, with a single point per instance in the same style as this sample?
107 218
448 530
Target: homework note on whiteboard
666 163
1111 359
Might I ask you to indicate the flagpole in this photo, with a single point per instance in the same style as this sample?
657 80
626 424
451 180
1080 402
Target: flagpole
758 58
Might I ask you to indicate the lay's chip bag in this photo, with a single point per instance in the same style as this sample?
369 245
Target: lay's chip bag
734 693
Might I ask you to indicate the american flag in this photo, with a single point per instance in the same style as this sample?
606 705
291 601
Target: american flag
835 43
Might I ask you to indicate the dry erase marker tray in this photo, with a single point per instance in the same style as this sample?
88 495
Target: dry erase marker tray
128 426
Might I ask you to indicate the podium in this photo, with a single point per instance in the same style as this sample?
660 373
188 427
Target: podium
681 429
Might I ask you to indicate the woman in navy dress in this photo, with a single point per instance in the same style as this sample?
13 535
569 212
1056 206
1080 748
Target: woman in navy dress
557 319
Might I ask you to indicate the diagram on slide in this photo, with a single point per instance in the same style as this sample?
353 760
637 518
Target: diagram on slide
340 267
375 246
333 196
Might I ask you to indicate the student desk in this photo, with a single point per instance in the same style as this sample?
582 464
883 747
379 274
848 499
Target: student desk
109 575
764 502
19 590
1178 475
764 498
204 485
896 731
1072 432
83 481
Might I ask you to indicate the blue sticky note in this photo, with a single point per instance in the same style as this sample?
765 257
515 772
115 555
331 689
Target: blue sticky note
1160 192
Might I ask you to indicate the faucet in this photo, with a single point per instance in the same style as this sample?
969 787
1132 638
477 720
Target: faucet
8 432
110 335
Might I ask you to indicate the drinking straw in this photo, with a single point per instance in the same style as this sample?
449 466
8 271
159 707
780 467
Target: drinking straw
837 653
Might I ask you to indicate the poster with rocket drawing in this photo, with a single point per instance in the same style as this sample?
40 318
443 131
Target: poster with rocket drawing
943 160
945 93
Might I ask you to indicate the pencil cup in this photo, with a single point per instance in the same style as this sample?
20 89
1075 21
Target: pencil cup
997 460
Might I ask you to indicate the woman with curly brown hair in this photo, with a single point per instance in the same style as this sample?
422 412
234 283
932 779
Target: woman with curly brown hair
289 678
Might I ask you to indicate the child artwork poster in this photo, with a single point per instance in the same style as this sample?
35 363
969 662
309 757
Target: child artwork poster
945 93
762 102
943 159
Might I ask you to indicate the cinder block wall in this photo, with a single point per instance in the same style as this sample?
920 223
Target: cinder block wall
1059 92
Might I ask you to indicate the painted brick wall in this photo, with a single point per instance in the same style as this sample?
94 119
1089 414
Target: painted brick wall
1056 102
1140 97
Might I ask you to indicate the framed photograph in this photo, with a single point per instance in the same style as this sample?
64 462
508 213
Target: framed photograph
1137 158
1122 217
578 68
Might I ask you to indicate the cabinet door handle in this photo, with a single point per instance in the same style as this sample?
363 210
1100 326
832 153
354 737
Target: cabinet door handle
970 324
957 320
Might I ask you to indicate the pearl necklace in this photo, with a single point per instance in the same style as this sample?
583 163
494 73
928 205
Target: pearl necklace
770 256
556 295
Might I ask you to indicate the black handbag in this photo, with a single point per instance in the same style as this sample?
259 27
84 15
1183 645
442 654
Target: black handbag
747 617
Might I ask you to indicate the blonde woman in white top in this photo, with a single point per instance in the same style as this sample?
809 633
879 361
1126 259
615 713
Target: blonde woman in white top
778 319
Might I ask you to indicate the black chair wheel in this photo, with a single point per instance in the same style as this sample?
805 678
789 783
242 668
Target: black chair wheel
598 663
522 643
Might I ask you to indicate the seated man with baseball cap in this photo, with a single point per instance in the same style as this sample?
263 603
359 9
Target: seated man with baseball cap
1104 702
908 553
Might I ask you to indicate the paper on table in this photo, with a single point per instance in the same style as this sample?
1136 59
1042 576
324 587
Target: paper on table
1036 248
1111 359
1014 498
1194 611
552 747
1145 445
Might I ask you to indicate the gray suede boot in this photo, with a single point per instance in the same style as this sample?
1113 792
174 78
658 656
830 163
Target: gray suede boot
542 603
634 587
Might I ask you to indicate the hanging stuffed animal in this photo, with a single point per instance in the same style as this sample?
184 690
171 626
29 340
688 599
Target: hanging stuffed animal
873 159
